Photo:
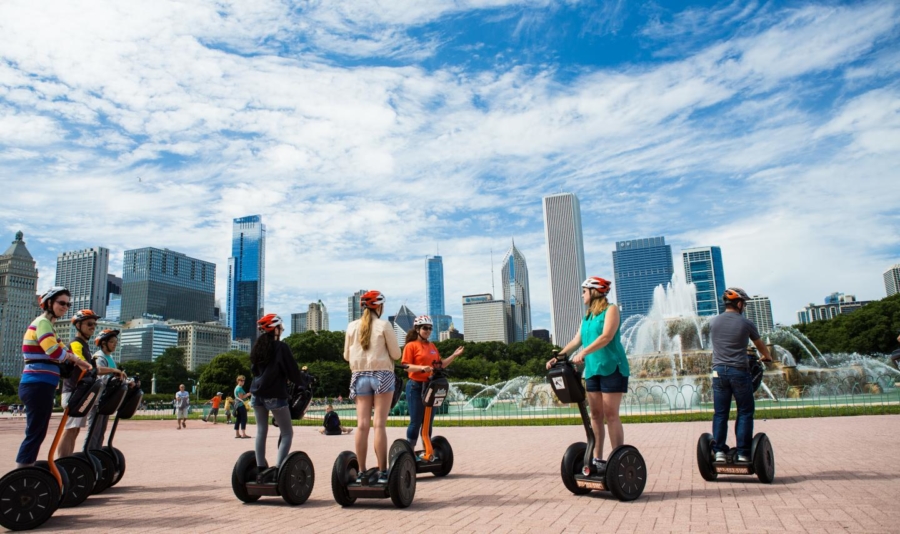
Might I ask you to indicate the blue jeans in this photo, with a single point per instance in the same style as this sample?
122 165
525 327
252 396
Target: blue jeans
416 411
739 384
38 399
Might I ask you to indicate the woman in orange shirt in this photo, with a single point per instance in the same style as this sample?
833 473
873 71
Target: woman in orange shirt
420 354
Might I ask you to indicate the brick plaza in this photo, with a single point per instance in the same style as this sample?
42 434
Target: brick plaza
832 475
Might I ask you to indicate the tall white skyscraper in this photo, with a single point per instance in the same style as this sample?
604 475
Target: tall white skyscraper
892 280
516 295
565 264
84 273
759 311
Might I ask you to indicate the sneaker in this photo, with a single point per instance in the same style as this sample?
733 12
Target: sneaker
267 476
359 477
599 466
720 457
743 459
383 477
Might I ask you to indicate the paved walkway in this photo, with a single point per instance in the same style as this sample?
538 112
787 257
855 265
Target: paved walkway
832 475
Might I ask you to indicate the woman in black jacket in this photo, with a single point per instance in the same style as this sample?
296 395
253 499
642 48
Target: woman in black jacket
273 366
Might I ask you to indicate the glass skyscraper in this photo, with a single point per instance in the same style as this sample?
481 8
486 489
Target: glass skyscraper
640 265
565 264
246 277
86 274
168 285
703 268
516 295
434 296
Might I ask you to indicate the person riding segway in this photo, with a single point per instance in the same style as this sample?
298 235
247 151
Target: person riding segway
735 374
274 368
371 348
624 472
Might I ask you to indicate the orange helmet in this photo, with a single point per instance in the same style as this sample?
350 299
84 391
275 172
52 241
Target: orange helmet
595 282
105 335
372 299
83 315
269 323
735 293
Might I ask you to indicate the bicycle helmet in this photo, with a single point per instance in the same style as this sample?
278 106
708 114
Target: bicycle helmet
54 291
84 315
595 282
422 320
371 299
269 323
105 335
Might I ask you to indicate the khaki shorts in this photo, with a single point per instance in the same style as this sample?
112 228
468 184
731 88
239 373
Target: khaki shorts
73 422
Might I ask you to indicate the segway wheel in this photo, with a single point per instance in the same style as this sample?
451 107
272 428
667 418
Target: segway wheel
398 446
296 478
626 473
95 465
29 496
120 463
763 458
81 477
244 471
344 473
705 459
402 480
107 470
444 452
62 474
572 464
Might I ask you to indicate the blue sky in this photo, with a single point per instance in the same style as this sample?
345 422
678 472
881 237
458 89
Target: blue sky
370 133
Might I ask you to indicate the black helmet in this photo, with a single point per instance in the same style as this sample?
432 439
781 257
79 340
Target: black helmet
734 294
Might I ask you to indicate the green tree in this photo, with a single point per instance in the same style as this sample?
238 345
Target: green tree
221 372
171 371
139 368
871 329
332 378
322 346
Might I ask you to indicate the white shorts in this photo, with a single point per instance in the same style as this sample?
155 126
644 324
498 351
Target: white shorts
73 422
181 413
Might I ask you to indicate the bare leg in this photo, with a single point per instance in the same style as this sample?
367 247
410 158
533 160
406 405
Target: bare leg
363 422
596 404
382 407
611 404
67 443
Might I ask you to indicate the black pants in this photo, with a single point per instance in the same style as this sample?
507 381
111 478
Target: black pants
240 417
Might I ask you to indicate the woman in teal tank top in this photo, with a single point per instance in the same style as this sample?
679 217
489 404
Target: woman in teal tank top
605 364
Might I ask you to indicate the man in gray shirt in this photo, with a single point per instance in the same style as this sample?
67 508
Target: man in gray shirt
730 334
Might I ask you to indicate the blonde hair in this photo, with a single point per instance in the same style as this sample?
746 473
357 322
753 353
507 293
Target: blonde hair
365 329
598 304
241 377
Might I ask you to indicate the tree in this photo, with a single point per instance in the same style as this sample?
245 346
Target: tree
321 346
171 371
871 329
140 368
221 372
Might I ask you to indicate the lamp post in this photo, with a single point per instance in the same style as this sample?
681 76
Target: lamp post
191 380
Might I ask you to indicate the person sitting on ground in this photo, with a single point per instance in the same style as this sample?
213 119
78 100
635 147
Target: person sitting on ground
331 425
214 411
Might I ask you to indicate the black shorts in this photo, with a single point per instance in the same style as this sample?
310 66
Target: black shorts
614 383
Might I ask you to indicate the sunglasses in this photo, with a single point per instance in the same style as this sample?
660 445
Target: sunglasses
424 328
64 303
90 325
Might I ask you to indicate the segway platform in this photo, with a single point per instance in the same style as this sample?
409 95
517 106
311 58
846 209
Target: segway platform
400 486
761 464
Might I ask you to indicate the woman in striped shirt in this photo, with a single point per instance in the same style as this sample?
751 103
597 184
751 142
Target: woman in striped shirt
371 348
43 355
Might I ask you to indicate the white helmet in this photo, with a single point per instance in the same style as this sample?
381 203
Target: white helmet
422 320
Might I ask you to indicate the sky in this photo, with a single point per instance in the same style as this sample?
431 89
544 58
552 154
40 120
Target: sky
372 133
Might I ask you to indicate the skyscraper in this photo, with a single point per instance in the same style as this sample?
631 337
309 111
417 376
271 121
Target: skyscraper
565 264
434 296
516 295
402 323
202 342
892 280
317 316
298 323
703 268
85 274
18 303
167 284
147 341
759 311
354 310
484 319
640 265
246 277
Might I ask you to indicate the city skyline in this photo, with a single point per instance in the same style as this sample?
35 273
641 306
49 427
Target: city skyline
661 118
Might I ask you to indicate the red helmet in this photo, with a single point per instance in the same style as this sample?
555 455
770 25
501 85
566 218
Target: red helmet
269 323
372 299
735 293
595 282
84 315
422 320
105 335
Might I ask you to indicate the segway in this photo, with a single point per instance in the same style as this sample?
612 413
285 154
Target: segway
129 406
626 471
762 457
347 487
294 480
437 458
30 495
110 400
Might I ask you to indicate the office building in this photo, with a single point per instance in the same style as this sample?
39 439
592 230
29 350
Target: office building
298 323
440 324
18 303
317 317
114 308
516 295
759 310
484 319
147 340
640 265
451 333
242 345
354 310
892 280
202 342
85 274
402 323
823 312
541 334
113 285
703 268
565 264
246 277
168 284
434 296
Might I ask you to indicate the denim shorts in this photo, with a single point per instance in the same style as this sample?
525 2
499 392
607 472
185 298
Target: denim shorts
269 404
614 383
366 383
